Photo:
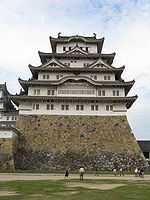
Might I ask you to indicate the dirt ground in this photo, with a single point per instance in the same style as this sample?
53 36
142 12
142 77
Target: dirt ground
7 193
95 186
29 176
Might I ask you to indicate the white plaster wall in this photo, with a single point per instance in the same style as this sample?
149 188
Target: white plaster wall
1 105
92 47
11 117
72 109
1 93
100 76
77 63
69 86
7 134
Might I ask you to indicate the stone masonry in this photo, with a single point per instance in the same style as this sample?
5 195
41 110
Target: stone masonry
50 143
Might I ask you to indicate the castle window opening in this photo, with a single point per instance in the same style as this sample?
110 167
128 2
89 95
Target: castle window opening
36 106
109 107
80 107
101 92
64 107
50 92
94 107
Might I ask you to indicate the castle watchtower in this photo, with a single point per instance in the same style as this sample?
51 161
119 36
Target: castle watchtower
73 109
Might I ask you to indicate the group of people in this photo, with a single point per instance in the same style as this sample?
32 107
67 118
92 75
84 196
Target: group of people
120 171
81 173
139 172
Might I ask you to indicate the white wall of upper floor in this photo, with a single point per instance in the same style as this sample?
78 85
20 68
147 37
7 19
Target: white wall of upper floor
1 93
28 108
92 48
1 105
94 76
8 117
78 63
77 90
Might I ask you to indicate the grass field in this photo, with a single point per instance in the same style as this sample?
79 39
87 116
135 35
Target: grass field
75 190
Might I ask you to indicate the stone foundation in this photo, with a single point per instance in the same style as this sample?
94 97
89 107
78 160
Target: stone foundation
57 142
7 152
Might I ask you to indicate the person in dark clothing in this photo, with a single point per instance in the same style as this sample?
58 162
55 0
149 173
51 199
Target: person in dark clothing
67 173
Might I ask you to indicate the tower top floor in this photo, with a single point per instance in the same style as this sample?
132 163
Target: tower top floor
63 44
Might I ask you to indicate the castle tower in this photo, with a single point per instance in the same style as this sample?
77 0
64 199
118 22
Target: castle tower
8 113
72 111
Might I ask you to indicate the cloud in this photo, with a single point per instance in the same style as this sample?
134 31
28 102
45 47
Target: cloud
25 26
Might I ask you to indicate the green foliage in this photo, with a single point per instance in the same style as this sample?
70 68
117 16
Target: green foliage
58 190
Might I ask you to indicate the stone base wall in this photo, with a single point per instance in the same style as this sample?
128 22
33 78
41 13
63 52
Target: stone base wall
7 151
57 142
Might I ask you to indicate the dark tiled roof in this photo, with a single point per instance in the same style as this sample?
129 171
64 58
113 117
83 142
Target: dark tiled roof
66 39
126 85
144 145
129 100
108 57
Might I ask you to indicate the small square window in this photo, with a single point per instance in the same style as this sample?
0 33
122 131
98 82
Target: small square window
96 107
114 93
95 77
99 93
67 107
34 91
57 76
92 107
69 48
62 107
111 107
47 106
82 107
38 91
47 76
107 107
52 107
64 48
87 49
43 76
37 107
77 107
103 92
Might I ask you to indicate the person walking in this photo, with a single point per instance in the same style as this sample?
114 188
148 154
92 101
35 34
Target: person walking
81 171
67 173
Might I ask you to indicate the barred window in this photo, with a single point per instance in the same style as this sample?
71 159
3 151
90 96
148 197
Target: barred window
43 76
65 107
115 92
77 91
36 106
109 107
50 92
107 77
101 92
80 107
47 76
94 107
50 106
36 91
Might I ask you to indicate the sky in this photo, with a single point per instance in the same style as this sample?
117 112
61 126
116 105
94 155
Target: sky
25 27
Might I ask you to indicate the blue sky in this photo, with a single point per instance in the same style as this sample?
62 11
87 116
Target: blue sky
25 26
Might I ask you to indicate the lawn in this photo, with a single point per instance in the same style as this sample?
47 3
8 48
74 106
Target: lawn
61 190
